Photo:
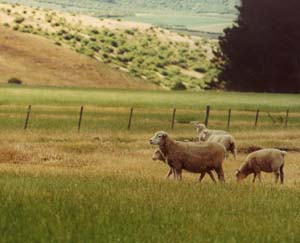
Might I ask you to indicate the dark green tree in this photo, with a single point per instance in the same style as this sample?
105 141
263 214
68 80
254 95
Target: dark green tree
261 51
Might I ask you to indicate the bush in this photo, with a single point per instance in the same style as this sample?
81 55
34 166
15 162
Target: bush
16 27
19 19
178 85
15 81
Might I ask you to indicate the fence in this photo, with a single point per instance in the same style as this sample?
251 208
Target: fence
256 116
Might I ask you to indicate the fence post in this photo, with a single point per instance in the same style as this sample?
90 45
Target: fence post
27 117
130 118
173 119
80 118
256 117
286 117
207 115
229 118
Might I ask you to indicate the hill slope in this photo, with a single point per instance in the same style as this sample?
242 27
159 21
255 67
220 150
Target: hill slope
38 61
156 55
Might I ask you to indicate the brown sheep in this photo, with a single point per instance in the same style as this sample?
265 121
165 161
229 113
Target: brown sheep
193 157
157 155
266 160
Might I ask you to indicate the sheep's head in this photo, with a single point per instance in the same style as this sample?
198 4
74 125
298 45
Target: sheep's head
240 175
199 127
158 138
204 135
157 155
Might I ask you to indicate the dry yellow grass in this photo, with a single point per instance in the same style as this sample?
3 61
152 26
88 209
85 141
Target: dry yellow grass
121 153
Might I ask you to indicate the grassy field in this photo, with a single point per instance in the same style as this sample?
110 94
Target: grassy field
101 185
204 22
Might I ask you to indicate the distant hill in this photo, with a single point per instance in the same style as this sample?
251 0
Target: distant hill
125 6
38 61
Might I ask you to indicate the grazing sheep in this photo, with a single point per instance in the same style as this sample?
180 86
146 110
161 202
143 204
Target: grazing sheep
266 160
226 139
193 157
157 155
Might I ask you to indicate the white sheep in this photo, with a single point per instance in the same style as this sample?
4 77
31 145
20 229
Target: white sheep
226 139
201 128
266 160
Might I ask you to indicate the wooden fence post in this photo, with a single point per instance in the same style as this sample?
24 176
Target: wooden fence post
27 117
229 118
80 118
130 118
256 117
286 117
207 115
173 119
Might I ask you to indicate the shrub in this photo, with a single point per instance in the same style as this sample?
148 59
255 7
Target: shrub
6 25
15 81
178 85
16 27
19 19
94 31
129 32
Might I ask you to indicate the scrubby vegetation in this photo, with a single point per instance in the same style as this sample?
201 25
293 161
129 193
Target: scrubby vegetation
179 63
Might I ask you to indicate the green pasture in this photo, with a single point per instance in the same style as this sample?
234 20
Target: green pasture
58 109
119 209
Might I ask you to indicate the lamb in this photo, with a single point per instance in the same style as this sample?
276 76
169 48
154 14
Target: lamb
194 157
266 160
157 155
226 139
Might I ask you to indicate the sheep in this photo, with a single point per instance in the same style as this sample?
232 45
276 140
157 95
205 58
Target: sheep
266 160
201 128
194 157
157 155
226 139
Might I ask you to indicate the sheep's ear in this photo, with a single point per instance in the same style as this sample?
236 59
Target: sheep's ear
164 135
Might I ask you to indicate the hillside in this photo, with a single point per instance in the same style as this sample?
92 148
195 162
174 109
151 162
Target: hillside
158 56
132 6
37 61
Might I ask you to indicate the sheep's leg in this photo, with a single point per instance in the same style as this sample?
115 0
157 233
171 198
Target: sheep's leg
220 174
201 176
259 177
281 174
174 173
276 173
211 175
254 177
178 173
234 153
169 173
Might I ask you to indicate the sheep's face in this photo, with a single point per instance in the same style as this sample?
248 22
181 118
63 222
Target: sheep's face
199 127
157 156
240 175
158 138
204 135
